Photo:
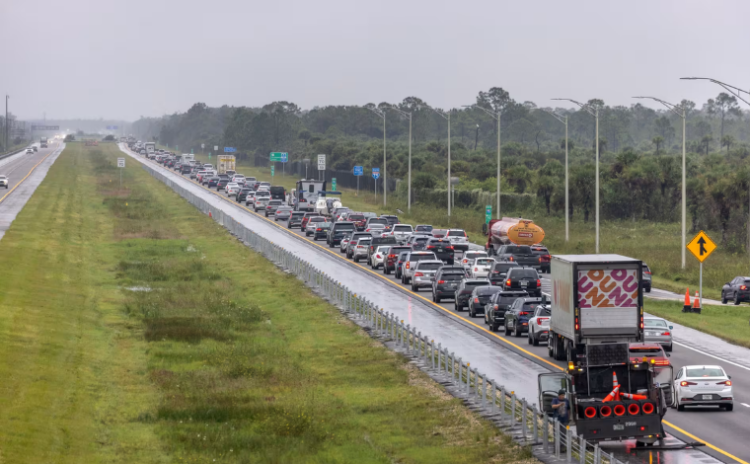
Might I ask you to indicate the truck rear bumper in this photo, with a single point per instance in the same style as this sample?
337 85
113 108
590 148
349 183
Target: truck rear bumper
619 428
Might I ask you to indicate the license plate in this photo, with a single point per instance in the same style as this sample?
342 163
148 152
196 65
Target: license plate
618 427
707 397
524 283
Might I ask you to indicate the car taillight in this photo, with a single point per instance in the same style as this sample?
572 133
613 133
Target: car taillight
685 383
476 300
743 287
647 272
391 256
377 255
408 265
578 326
476 269
316 230
665 334
495 306
507 282
641 322
465 261
728 383
540 259
430 247
418 274
441 281
538 283
523 313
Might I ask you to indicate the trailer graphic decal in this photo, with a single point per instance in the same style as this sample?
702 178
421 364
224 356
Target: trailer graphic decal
608 288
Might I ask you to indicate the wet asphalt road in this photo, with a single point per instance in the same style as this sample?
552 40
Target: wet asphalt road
25 172
514 363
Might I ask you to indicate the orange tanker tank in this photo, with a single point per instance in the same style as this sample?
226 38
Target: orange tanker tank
512 230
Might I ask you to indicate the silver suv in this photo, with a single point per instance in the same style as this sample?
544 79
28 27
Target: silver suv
424 273
402 232
410 263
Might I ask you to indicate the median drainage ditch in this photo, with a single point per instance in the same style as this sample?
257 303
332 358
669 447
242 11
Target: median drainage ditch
546 439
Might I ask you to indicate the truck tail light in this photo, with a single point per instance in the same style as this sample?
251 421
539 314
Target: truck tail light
538 283
449 247
507 282
619 410
408 265
540 259
641 322
604 411
590 412
476 300
648 408
578 326
634 409
510 259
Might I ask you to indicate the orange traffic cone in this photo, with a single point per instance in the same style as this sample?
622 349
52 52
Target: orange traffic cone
697 304
634 397
612 395
616 385
686 307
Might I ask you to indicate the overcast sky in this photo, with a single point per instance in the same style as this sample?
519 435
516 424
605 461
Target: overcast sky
127 58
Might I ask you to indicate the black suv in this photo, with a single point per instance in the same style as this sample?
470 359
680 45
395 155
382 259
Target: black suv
213 181
447 280
494 311
338 231
517 317
498 273
464 291
523 278
418 242
399 265
242 194
222 184
738 290
480 297
442 248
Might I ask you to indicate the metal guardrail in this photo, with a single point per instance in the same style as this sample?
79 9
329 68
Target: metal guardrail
525 423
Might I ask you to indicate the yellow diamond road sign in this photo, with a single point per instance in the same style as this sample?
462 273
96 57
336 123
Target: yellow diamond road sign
701 246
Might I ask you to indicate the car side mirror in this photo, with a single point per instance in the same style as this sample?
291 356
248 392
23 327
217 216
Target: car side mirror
729 376
671 327
669 355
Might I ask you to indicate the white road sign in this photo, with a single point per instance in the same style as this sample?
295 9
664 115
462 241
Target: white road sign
321 162
203 145
216 148
120 162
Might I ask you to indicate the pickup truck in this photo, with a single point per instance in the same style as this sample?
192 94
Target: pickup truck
520 254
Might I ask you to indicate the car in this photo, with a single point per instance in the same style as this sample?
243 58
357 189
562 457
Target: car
353 239
283 213
399 264
520 254
499 304
213 181
232 189
518 315
446 282
222 184
480 296
523 278
738 290
250 198
401 232
307 217
185 169
242 194
4 182
442 248
463 293
543 258
424 273
418 242
35 148
338 231
646 278
481 267
423 228
392 220
379 256
237 178
358 219
499 271
389 264
410 263
703 386
376 220
344 243
458 238
29 151
470 256
539 325
311 224
375 229
657 330
272 206
262 195
439 233
261 203
648 352
359 250
295 219
379 241
321 229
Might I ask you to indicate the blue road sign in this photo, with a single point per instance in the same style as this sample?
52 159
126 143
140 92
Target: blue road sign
375 173
229 149
359 170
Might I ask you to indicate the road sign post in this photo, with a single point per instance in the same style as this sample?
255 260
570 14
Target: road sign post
375 175
321 165
333 184
487 214
272 171
279 157
358 172
701 246
120 164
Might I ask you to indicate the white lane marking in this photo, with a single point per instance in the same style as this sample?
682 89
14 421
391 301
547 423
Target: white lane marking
711 355
745 405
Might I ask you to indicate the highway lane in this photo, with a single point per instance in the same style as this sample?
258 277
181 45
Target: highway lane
25 172
723 430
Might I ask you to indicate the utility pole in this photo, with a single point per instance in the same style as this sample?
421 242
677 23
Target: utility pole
448 118
381 113
595 113
7 123
564 120
408 115
496 116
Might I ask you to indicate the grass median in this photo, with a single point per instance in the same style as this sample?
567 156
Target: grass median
135 329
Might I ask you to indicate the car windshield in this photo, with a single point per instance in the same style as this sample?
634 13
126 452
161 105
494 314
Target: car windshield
384 249
421 239
484 291
377 226
378 221
344 226
355 217
518 249
429 266
317 219
456 233
474 254
324 225
705 372
506 301
530 307
416 257
524 274
402 228
544 311
540 251
424 228
655 323
485 262
364 241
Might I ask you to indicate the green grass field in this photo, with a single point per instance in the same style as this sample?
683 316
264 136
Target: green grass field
135 329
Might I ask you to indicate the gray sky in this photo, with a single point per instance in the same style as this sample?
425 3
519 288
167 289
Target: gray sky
126 58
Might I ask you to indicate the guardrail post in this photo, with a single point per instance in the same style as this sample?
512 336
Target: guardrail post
524 414
453 366
535 424
484 391
557 439
493 397
408 339
460 374
581 450
545 432
569 445
597 454
513 409
502 402
432 353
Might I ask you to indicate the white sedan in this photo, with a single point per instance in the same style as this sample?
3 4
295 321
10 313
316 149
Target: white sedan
480 268
29 151
470 256
379 256
703 386
232 189
539 325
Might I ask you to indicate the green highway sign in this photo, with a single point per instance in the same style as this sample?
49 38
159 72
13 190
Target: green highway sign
488 214
333 184
191 151
277 156
272 170
209 155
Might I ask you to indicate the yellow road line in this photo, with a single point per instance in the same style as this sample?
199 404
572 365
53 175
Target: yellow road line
27 175
235 203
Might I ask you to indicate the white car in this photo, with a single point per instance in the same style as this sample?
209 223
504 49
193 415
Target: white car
232 189
402 232
458 238
376 230
29 151
377 258
4 181
480 268
311 224
344 243
359 250
250 198
238 178
539 325
702 386
470 256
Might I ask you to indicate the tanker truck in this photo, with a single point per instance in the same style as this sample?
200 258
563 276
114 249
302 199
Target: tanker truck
525 232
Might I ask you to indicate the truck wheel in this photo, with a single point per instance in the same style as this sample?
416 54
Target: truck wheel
723 299
438 299
530 337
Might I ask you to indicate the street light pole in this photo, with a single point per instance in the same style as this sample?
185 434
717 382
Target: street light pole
496 116
385 179
564 120
408 115
6 121
681 112
448 118
595 113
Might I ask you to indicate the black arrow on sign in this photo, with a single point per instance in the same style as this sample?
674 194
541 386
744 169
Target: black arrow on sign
702 250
